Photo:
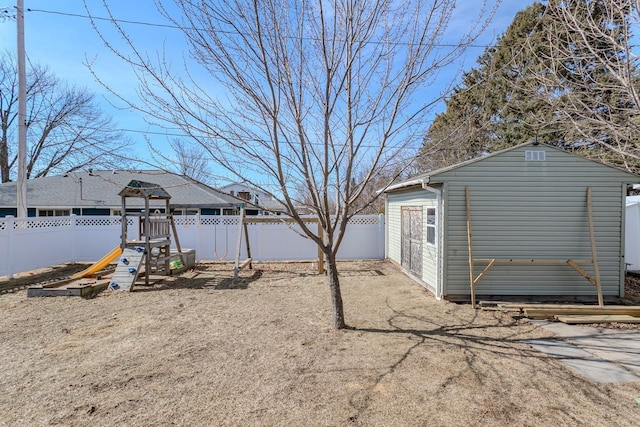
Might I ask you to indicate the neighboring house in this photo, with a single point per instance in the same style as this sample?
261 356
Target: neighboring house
96 193
257 202
526 203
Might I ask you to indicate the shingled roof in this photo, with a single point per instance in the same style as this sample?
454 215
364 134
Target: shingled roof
102 188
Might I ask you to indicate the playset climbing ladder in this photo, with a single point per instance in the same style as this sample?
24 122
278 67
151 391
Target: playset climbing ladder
153 250
128 267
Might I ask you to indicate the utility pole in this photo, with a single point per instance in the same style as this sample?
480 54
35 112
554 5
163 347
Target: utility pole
21 188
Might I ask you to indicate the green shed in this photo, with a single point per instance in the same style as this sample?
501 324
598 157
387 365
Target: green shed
529 220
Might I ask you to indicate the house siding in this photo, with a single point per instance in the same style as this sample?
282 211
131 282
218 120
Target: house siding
395 202
534 210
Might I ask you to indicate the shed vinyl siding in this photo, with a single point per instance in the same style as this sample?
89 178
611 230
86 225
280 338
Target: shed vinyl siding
534 209
395 202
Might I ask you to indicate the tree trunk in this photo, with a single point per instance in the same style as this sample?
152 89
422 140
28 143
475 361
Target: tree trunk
334 287
4 163
4 153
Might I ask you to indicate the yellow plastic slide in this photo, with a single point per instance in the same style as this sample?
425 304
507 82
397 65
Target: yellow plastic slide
100 264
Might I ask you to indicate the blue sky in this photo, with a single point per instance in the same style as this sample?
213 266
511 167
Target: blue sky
65 43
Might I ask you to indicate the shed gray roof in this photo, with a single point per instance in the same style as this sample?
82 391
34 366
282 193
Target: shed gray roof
427 177
100 189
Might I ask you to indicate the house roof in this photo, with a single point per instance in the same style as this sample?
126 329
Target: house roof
272 205
100 189
428 176
266 202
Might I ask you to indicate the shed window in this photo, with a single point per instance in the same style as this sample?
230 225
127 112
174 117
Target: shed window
431 226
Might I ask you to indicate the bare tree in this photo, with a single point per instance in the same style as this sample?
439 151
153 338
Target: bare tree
315 93
185 159
591 76
66 130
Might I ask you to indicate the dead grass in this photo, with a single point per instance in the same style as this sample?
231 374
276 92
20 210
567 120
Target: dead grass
199 350
632 289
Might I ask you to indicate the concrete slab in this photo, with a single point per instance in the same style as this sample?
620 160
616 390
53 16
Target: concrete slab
602 355
600 371
560 349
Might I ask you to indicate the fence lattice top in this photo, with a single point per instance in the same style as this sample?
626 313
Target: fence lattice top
104 221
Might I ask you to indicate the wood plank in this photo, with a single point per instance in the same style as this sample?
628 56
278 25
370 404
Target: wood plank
602 318
246 238
487 304
550 313
246 262
56 283
472 282
485 271
82 290
51 292
236 267
519 261
594 252
584 274
514 305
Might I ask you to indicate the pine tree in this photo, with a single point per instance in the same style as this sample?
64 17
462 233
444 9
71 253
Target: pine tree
523 88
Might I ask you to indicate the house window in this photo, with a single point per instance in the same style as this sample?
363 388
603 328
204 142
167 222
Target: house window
185 212
431 226
205 211
229 212
118 212
91 211
54 212
244 195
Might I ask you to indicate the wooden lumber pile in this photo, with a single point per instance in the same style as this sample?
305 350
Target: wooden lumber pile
572 313
586 310
595 318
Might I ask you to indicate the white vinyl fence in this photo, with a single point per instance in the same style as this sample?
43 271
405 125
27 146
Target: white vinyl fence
27 244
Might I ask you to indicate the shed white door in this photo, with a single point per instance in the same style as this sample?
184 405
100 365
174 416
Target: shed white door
412 239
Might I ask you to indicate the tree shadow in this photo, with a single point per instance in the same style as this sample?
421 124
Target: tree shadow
463 335
203 281
360 272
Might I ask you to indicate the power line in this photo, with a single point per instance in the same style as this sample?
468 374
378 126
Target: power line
177 27
172 26
237 140
98 18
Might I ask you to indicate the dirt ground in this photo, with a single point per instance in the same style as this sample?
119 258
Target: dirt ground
199 350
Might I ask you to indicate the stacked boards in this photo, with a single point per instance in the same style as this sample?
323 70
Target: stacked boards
571 313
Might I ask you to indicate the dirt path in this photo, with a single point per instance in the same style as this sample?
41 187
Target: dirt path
200 351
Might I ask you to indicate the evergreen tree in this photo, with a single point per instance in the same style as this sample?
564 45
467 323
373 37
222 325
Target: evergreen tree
522 88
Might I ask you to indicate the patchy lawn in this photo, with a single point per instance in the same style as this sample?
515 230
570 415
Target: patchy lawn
198 350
